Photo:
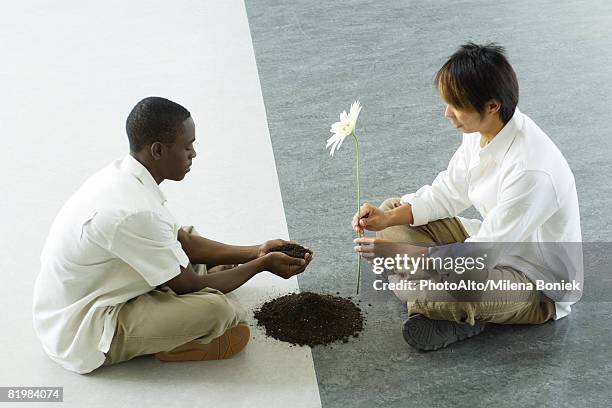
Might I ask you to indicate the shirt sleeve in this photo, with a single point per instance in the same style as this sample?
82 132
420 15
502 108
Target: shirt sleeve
446 197
148 244
526 201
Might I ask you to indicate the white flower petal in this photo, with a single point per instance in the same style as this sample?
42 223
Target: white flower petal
344 117
354 112
333 148
334 139
330 141
340 144
336 127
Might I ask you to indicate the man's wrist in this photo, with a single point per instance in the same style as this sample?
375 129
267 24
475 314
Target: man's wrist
390 218
261 263
401 215
255 251
246 254
255 266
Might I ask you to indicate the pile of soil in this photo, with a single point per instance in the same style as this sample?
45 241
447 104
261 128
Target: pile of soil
294 250
310 319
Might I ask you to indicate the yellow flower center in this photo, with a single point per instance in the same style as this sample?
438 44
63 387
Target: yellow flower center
346 128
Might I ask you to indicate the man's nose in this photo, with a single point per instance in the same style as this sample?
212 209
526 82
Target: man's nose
447 112
193 154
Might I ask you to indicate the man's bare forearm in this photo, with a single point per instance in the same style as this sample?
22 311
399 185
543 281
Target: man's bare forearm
230 279
225 281
401 215
206 251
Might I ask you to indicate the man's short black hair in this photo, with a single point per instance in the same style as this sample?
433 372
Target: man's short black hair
476 74
154 119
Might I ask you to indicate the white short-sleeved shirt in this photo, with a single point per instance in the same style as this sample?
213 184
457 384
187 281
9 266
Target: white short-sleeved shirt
112 241
523 188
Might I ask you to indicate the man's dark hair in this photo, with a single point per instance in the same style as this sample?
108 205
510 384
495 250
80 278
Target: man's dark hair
476 74
154 119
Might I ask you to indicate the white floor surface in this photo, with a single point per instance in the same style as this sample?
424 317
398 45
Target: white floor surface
70 73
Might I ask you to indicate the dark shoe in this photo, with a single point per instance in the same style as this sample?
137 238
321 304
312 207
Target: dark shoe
427 334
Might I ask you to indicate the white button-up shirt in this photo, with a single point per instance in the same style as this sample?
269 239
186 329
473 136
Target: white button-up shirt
521 185
112 241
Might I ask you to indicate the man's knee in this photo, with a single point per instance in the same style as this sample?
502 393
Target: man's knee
190 229
221 309
398 233
390 203
444 310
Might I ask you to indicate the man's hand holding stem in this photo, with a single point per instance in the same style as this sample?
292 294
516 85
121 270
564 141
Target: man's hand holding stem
372 218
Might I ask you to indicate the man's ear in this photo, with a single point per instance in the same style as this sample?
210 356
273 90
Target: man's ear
156 150
493 106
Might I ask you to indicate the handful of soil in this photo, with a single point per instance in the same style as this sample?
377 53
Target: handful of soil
310 319
294 250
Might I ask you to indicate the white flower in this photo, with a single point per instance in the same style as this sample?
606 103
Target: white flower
344 128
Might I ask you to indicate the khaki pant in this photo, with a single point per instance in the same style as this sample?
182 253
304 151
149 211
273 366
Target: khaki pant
161 320
525 307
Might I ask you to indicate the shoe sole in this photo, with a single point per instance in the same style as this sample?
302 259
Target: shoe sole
432 347
231 342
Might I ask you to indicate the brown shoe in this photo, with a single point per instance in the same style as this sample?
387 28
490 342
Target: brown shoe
225 346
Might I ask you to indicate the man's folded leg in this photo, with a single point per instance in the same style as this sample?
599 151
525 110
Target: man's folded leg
436 324
202 325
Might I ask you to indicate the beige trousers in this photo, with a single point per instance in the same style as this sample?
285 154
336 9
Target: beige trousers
161 320
524 307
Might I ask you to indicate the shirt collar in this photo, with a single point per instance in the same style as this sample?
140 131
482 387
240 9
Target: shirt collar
498 147
130 165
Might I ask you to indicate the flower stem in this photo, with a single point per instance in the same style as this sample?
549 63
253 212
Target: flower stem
358 210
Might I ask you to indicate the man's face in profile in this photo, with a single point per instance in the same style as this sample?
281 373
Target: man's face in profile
468 121
180 154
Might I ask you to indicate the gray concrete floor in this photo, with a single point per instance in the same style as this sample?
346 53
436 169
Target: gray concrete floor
72 71
315 58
